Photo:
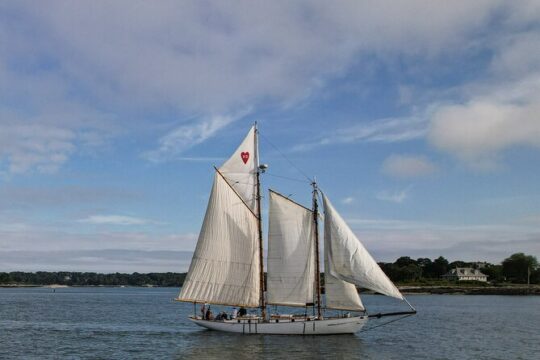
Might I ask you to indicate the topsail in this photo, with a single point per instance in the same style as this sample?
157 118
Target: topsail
240 170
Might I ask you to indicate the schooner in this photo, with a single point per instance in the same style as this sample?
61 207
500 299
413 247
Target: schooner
227 267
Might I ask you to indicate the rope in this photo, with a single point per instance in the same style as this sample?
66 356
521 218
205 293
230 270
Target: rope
285 177
285 157
386 323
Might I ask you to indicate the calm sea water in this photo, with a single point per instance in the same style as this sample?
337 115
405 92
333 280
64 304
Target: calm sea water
140 323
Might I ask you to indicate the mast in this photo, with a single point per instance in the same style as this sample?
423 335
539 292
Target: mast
259 225
316 237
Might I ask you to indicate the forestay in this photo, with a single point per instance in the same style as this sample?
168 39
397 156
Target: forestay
291 253
241 168
348 259
225 265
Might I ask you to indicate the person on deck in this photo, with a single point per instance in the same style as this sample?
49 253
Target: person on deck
234 313
209 315
203 311
242 312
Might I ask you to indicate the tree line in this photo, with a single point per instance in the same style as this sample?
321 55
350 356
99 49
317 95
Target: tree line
517 268
91 278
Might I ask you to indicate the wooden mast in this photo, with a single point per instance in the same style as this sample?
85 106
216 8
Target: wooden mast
259 225
317 262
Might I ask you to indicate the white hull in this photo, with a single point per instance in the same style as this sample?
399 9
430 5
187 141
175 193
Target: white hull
349 325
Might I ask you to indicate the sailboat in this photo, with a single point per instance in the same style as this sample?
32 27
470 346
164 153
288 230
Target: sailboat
227 267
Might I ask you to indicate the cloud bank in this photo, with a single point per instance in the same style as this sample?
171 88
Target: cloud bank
194 60
408 166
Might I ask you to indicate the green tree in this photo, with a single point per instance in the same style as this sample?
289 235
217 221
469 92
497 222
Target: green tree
423 262
493 272
535 276
459 263
436 269
404 261
516 267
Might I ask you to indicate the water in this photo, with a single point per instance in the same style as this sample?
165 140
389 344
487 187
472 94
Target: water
137 323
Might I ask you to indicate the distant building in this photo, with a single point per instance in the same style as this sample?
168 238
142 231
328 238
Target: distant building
465 274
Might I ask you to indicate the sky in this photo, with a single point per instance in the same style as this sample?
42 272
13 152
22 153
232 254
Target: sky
419 119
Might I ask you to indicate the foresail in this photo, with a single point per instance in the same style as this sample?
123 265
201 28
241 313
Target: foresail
348 259
241 168
291 253
340 294
225 265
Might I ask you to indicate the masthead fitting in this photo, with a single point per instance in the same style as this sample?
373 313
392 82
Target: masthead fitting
263 167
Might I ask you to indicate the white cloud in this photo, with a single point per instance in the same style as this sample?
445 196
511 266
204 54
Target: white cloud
393 196
389 239
44 142
348 200
219 56
498 114
110 260
35 146
479 130
199 58
533 219
407 166
518 55
186 136
56 238
383 130
117 220
22 203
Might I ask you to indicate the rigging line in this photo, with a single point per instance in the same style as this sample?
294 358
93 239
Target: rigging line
285 177
285 157
408 303
386 323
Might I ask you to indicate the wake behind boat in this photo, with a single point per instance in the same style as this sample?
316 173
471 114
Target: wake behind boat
227 265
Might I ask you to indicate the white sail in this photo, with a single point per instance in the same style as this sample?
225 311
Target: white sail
348 259
225 265
241 168
291 253
340 294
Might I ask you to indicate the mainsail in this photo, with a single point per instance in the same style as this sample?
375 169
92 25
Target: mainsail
348 260
241 168
225 268
291 257
225 265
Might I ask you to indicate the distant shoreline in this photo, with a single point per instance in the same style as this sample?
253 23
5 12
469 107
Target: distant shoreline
405 289
58 286
472 290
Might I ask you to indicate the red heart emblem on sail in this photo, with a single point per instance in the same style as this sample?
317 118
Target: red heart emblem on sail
245 157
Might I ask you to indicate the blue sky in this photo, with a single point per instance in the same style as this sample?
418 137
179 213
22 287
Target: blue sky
420 120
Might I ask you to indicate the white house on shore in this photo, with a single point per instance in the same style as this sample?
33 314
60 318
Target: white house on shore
465 274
